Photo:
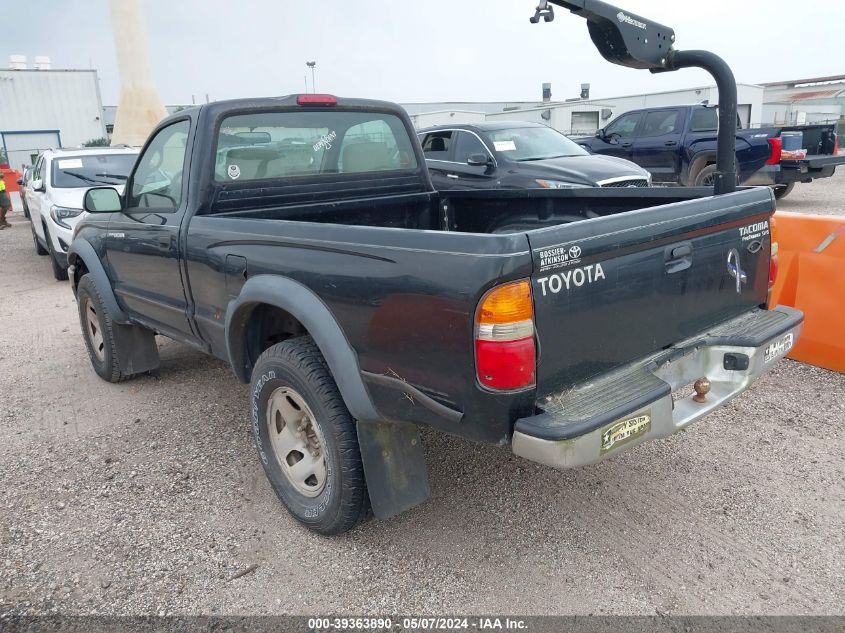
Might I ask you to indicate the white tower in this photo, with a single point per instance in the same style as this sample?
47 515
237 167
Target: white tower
140 108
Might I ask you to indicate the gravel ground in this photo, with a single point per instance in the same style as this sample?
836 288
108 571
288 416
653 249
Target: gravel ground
826 196
147 497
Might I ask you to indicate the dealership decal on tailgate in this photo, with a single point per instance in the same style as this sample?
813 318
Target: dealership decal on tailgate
623 432
779 348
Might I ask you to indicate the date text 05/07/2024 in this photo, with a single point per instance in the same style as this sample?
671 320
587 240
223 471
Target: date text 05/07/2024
418 624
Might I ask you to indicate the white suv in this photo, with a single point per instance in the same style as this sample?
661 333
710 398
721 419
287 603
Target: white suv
57 188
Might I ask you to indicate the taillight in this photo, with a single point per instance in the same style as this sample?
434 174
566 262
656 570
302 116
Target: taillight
835 144
773 261
315 99
505 351
776 146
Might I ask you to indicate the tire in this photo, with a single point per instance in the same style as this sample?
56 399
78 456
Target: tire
98 331
782 191
706 177
59 271
299 419
38 248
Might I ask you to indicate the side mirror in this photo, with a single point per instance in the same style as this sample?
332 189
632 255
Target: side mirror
102 200
600 133
478 160
38 185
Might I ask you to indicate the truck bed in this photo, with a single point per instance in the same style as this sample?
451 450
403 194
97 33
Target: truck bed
407 297
465 211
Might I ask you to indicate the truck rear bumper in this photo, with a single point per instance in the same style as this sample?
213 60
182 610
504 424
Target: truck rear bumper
789 171
648 399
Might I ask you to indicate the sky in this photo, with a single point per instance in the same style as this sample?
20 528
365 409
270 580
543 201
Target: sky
429 50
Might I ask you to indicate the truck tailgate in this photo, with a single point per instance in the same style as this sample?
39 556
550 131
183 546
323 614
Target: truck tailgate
610 290
814 163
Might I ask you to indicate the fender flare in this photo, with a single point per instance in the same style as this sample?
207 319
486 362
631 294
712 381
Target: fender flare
81 249
305 306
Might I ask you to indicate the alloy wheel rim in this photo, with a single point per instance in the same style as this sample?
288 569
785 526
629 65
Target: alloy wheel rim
93 331
297 441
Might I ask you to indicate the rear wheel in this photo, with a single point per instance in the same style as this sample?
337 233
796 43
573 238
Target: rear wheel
307 439
781 191
38 248
706 177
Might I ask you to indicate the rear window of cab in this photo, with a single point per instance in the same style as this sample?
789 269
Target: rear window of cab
273 145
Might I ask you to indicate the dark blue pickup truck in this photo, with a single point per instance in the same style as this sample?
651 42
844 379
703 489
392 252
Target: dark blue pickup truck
677 144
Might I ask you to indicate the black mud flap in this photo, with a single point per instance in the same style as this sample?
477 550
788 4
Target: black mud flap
137 351
394 465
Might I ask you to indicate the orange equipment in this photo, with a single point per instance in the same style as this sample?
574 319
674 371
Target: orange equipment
811 277
12 177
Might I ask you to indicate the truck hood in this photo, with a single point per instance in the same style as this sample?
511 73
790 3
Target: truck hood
587 170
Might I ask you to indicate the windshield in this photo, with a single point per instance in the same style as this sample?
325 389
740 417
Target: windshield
90 170
533 143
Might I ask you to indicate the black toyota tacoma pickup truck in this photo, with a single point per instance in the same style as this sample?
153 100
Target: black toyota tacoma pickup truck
300 239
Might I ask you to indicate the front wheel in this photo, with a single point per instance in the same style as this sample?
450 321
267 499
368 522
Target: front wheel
781 191
306 438
98 331
38 248
59 271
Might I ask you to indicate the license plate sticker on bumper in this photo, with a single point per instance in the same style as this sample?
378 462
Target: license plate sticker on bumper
619 433
779 347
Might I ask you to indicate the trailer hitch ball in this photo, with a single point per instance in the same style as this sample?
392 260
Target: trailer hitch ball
702 388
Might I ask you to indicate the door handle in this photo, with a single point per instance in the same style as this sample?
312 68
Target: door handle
628 144
452 176
164 242
678 257
670 143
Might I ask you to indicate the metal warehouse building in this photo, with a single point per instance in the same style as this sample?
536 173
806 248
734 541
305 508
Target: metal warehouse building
581 116
813 100
587 116
44 108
